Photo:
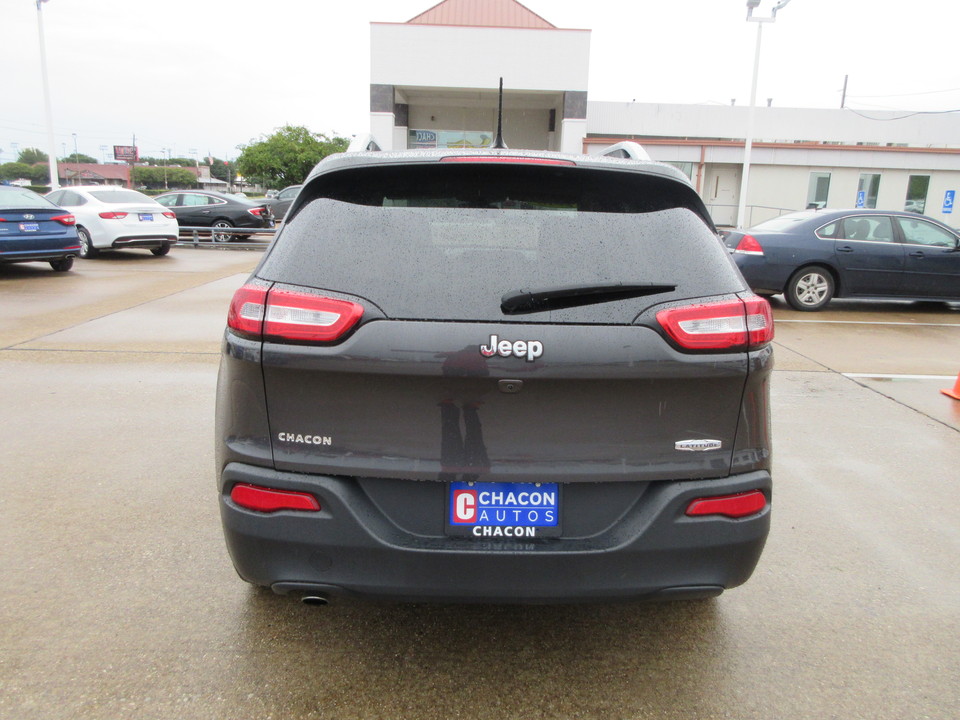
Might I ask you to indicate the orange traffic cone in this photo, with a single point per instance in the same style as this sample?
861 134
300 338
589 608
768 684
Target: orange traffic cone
955 393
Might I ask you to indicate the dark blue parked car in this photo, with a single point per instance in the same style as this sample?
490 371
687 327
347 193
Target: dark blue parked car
816 255
34 229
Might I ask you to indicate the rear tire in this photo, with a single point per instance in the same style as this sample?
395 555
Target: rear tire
87 250
221 237
810 288
62 265
162 250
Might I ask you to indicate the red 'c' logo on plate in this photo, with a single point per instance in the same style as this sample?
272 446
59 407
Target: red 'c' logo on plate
465 506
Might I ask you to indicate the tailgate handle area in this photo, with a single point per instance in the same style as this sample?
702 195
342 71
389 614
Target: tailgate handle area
510 386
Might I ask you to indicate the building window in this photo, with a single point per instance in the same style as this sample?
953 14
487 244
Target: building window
917 189
867 190
419 139
819 190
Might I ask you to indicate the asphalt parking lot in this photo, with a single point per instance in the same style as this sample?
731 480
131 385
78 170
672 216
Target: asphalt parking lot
119 600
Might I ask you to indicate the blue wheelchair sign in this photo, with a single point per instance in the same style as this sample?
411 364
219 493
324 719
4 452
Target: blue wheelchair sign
948 198
861 198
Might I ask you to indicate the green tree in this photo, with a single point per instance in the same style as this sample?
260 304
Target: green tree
15 171
78 158
31 156
40 174
222 169
157 177
287 156
173 162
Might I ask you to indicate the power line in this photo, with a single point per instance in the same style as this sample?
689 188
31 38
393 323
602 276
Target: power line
902 117
928 92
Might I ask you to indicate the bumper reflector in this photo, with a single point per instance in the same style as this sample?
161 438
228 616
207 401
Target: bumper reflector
261 499
732 506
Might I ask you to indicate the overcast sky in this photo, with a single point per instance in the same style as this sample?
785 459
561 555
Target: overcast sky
209 75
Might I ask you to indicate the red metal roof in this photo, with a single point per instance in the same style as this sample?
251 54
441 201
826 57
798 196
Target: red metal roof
482 13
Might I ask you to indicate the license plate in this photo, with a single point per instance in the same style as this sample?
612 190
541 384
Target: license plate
29 227
146 217
505 511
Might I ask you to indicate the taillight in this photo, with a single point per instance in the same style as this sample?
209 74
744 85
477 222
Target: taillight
749 245
731 506
730 325
65 219
258 211
247 310
289 315
113 215
300 316
266 500
505 159
170 215
759 321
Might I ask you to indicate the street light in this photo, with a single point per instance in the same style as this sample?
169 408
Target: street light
166 156
76 159
51 145
748 143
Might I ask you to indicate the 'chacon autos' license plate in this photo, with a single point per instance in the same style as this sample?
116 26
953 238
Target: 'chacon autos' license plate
503 510
146 217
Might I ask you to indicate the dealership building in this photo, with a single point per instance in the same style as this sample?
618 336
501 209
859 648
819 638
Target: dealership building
800 158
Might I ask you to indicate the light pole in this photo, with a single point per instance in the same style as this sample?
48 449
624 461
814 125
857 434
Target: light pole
166 155
51 144
76 159
748 143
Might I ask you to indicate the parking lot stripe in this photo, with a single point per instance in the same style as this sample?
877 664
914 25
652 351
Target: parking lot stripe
866 322
881 376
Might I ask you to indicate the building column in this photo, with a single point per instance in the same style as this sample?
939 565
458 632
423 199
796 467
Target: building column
573 128
382 115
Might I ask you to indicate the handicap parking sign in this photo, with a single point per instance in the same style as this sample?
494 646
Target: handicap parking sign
948 198
861 198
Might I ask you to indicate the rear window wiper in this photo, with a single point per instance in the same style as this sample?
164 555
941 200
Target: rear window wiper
520 302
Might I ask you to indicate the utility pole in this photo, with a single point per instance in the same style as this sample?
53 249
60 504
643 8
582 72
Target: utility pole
843 100
748 141
51 143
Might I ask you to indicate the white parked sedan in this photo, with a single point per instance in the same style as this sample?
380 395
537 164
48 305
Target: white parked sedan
114 217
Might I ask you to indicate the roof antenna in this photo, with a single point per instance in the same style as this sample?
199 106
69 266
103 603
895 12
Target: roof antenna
498 143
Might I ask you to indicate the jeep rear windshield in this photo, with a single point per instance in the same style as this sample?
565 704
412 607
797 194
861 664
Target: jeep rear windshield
428 243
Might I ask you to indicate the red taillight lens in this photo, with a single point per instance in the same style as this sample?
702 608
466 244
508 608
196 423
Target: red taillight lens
759 321
247 310
300 316
65 219
505 159
258 211
266 500
749 245
170 215
289 315
113 215
731 506
731 325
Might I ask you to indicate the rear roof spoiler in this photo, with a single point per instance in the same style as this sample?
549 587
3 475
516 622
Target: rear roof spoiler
364 143
628 149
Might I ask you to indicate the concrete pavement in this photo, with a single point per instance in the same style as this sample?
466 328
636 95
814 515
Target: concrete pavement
119 600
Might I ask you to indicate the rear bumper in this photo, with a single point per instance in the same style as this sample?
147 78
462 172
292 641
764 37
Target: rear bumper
19 256
152 241
352 547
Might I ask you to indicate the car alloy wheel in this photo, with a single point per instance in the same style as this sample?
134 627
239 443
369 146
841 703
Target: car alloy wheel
810 288
222 237
87 250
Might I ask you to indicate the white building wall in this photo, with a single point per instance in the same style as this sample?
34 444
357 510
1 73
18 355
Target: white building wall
381 127
773 124
432 56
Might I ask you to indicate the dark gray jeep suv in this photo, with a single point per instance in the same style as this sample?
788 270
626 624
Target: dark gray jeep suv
496 376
